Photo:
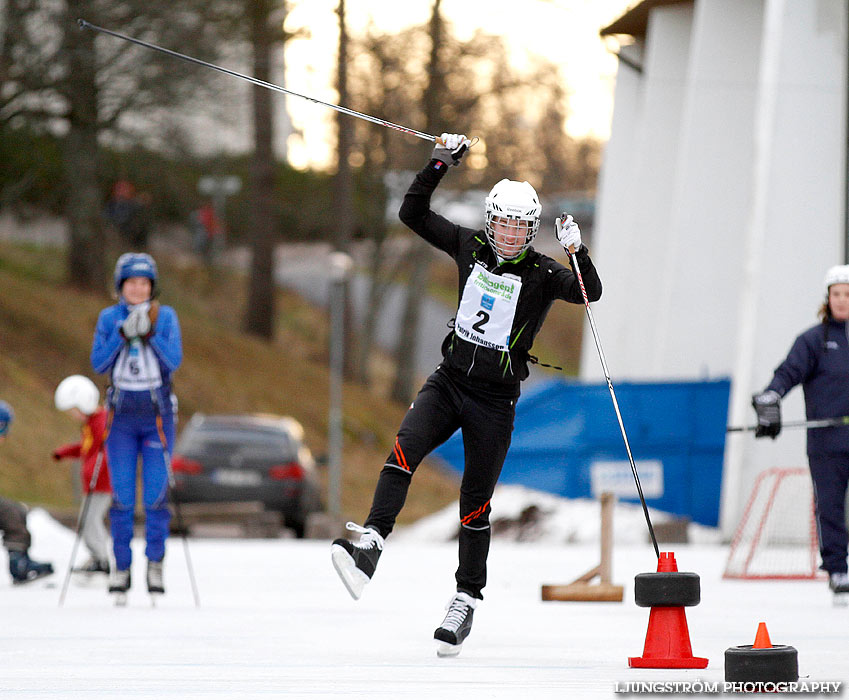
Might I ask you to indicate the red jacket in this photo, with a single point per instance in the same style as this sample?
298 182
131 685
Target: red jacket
92 443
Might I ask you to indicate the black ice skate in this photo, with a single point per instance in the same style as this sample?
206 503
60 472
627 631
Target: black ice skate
456 625
155 582
839 585
119 584
24 569
355 562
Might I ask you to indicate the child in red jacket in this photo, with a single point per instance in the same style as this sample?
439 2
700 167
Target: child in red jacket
80 398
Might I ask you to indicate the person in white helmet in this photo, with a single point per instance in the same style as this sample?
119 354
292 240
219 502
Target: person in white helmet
506 288
79 397
819 361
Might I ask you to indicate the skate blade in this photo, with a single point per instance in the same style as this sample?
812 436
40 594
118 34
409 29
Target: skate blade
25 581
354 579
120 599
841 600
446 650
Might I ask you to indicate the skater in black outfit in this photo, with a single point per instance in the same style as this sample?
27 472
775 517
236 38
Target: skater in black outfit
13 525
819 361
504 293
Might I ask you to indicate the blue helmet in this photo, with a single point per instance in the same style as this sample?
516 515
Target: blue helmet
7 415
135 265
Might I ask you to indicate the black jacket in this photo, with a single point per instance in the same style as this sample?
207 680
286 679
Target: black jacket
543 280
819 361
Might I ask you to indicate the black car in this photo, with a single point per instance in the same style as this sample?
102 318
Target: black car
247 458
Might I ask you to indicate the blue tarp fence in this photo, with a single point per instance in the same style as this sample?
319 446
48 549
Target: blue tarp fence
567 441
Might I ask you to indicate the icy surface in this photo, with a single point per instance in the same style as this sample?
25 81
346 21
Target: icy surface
276 622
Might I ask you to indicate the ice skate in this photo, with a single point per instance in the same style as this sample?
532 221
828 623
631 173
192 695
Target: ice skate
92 567
839 585
119 584
355 562
25 570
456 626
155 582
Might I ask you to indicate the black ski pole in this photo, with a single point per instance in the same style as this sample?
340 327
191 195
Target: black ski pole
818 423
166 455
613 396
81 519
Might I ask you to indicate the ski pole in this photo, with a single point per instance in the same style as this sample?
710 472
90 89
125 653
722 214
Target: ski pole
613 396
166 455
262 83
81 519
818 423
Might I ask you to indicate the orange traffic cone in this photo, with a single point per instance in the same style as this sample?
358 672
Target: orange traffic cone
668 638
762 638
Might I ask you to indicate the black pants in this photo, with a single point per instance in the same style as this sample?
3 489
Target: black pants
440 408
830 474
13 524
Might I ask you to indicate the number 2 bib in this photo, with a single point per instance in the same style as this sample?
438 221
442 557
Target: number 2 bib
487 309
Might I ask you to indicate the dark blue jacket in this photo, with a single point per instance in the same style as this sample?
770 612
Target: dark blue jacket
819 361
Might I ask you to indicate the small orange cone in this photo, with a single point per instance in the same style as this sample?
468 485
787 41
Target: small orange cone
762 638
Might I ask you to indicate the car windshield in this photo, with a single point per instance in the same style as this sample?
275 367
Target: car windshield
226 440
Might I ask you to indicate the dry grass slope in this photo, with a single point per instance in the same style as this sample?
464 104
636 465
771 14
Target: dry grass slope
46 332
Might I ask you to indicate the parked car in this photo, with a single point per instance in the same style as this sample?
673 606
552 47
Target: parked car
247 458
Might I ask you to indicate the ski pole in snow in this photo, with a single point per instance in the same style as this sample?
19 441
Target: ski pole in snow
613 396
262 83
81 520
819 423
166 455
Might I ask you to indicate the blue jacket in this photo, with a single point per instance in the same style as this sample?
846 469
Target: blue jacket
165 341
819 361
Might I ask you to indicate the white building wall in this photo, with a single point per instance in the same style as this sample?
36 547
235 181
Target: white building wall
684 182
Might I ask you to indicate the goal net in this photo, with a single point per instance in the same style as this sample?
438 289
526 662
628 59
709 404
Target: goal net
777 536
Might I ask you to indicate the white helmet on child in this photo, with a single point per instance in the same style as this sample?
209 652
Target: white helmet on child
839 274
79 392
515 205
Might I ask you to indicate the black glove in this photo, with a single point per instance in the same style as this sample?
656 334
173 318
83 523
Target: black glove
768 407
452 148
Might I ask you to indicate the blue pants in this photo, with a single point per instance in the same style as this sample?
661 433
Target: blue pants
135 434
830 473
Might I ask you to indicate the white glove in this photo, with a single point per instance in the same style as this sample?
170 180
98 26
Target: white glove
452 148
567 233
137 324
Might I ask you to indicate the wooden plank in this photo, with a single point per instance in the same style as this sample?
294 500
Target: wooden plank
579 591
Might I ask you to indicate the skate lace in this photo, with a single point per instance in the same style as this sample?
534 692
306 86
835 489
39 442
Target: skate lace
154 573
840 579
458 609
369 537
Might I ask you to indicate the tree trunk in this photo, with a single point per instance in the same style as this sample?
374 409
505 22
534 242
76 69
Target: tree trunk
421 254
343 187
259 318
86 250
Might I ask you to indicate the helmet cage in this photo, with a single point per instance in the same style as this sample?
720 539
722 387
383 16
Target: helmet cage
519 228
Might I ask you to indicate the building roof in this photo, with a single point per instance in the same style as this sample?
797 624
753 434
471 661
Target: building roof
636 19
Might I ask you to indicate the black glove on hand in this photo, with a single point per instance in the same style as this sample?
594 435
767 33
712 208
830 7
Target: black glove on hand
768 407
452 148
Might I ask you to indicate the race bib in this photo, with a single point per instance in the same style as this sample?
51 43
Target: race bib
487 309
134 372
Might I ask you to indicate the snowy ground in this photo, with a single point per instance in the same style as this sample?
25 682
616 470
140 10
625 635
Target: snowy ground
275 622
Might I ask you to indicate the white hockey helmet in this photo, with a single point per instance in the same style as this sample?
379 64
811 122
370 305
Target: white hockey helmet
839 274
516 205
79 392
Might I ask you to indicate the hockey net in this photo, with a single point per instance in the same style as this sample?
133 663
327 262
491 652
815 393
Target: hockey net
777 536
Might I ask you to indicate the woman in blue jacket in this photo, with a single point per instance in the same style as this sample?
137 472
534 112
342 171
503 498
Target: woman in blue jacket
138 343
819 361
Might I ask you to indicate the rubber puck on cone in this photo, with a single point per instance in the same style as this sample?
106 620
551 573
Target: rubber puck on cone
667 589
